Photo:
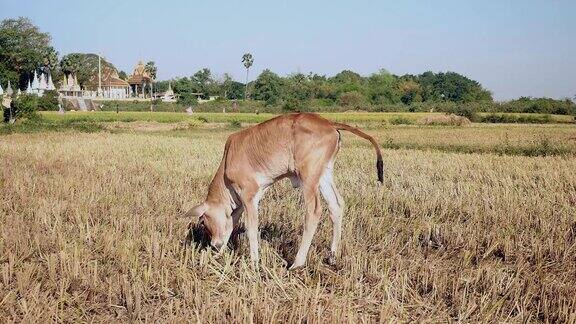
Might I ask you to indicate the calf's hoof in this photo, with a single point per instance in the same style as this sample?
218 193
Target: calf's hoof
296 267
331 259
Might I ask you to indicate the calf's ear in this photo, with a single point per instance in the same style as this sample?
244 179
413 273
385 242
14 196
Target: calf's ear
198 210
195 211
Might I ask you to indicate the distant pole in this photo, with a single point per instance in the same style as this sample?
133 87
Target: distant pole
99 76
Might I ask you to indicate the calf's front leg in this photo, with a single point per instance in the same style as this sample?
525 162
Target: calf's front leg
249 197
252 232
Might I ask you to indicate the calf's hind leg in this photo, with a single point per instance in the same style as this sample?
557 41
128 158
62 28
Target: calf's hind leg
313 214
336 208
319 159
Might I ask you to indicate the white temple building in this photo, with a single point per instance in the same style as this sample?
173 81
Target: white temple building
43 85
39 84
140 80
107 85
50 83
169 94
9 90
35 84
69 87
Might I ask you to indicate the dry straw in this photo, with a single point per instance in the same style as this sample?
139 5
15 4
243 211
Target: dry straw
90 233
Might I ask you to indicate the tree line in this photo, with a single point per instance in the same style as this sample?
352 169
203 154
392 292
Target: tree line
348 90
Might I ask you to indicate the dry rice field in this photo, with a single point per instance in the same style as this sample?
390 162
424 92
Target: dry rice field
90 232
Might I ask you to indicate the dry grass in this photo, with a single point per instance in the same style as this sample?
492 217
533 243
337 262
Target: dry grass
90 233
495 138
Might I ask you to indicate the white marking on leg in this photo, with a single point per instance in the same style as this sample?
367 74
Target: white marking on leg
335 206
262 180
257 197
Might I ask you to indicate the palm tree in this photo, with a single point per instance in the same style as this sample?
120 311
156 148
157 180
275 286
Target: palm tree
247 59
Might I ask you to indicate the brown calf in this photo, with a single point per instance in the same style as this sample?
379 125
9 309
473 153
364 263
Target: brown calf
301 147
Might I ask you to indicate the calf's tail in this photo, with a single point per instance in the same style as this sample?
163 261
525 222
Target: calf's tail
356 131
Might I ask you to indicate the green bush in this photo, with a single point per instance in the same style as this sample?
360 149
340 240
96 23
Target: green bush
292 105
49 101
271 101
323 102
511 118
538 105
187 99
352 99
463 110
26 106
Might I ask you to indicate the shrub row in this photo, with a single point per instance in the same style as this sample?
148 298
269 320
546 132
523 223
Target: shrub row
542 106
511 118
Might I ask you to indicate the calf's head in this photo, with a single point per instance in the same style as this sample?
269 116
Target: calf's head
216 223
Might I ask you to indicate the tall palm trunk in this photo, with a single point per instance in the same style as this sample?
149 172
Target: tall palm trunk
246 86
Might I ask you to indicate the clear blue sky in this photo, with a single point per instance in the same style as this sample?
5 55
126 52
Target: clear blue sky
513 48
